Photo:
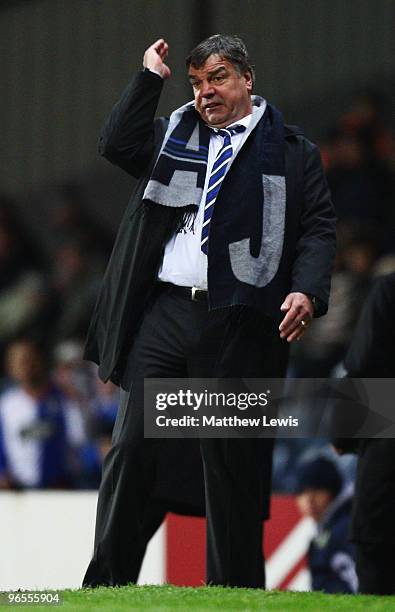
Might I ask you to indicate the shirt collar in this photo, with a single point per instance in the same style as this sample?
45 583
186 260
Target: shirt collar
244 121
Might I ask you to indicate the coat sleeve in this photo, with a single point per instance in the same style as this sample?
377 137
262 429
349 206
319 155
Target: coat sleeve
316 243
127 137
371 353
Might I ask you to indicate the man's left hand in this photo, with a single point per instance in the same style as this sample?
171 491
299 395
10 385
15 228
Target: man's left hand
300 310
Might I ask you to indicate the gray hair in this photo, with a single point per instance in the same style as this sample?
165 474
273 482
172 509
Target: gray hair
228 47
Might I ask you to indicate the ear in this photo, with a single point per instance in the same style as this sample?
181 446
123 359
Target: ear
248 81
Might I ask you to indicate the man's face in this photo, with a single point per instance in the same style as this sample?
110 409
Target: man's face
314 502
222 94
24 363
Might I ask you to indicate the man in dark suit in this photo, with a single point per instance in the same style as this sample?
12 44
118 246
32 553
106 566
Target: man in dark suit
372 355
223 257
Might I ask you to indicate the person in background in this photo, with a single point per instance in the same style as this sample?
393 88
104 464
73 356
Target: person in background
96 403
372 355
74 377
320 495
22 284
40 430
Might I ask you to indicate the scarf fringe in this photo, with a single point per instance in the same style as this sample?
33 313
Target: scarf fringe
183 218
186 221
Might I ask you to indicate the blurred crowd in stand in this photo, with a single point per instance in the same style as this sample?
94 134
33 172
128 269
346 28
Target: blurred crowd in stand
56 416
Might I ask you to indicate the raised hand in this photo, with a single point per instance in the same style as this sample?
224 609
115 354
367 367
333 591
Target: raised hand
154 58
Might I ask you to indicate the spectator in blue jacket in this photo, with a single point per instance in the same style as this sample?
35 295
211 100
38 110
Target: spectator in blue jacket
331 555
41 431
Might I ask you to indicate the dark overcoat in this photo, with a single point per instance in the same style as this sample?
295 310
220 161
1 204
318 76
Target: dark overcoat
131 139
372 355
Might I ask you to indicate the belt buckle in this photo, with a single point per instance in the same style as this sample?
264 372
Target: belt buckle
193 293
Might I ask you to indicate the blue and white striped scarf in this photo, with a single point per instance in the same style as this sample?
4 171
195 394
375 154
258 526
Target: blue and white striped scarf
180 171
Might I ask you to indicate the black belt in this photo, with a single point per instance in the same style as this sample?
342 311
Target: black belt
192 293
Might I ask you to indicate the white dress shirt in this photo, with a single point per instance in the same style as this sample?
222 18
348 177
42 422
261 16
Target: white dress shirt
184 263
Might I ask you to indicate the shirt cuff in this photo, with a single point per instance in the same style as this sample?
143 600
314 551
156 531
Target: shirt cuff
154 71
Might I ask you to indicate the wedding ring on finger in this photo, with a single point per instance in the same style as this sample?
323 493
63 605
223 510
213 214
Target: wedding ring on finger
304 323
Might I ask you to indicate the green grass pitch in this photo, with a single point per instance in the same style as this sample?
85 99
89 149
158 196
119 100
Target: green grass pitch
187 599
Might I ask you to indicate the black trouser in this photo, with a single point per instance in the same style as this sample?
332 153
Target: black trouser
376 568
179 338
